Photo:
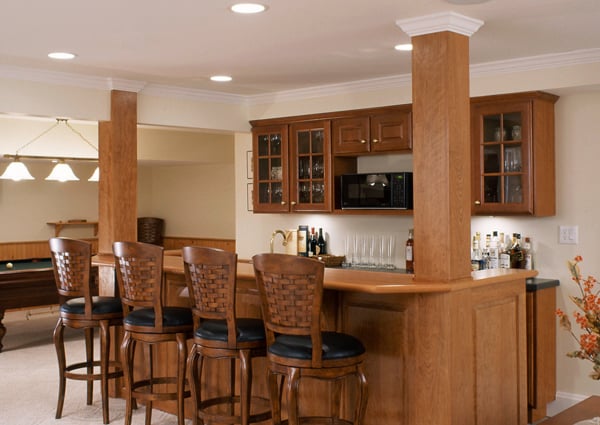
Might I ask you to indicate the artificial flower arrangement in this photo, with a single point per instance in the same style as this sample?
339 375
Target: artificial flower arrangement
587 316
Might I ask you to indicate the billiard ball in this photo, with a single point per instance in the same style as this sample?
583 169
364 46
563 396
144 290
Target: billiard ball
9 265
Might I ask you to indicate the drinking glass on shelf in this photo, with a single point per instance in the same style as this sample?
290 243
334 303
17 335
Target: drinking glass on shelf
389 251
363 250
349 245
376 251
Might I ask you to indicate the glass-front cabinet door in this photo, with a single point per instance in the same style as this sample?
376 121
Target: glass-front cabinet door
271 186
310 173
501 158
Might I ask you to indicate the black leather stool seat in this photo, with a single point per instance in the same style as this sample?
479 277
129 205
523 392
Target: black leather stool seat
335 346
247 330
172 316
100 305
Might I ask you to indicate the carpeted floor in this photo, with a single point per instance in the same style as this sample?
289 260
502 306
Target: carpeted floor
29 379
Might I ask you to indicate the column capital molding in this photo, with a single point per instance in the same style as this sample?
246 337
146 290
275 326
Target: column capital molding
438 22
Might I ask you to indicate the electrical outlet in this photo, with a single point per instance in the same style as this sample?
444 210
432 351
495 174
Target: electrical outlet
568 235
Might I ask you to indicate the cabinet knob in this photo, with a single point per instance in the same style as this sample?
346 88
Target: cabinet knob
375 140
293 202
477 202
363 141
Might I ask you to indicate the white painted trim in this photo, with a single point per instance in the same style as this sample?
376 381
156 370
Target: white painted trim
438 22
563 401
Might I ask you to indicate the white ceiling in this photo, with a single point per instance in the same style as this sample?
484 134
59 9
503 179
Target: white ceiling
296 44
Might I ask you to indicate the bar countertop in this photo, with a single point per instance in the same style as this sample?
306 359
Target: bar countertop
367 281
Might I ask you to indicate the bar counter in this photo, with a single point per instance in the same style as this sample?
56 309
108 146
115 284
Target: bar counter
358 280
443 353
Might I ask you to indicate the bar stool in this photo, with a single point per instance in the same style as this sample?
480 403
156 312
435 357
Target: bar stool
139 268
211 278
71 260
291 290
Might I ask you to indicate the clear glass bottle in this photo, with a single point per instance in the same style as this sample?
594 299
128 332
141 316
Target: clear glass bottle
410 259
494 253
476 257
504 254
528 253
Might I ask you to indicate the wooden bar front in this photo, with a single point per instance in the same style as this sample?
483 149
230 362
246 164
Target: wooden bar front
412 332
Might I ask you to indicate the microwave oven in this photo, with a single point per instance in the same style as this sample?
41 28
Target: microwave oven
376 191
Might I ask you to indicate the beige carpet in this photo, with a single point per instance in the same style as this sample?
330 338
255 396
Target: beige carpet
29 379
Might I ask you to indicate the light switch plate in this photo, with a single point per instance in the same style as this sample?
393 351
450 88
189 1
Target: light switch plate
568 235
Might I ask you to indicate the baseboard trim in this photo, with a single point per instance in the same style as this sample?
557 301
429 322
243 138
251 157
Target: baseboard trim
564 401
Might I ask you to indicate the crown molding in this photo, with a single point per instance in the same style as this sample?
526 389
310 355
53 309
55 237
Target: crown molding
193 94
438 22
333 89
69 79
548 61
532 63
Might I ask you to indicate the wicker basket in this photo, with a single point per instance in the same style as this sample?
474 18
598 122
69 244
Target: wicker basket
150 230
331 260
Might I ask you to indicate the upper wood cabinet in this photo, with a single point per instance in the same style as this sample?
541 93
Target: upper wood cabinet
310 166
381 132
512 155
292 166
270 156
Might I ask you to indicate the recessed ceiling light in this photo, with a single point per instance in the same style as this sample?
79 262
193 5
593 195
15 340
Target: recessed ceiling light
248 8
221 78
61 55
403 47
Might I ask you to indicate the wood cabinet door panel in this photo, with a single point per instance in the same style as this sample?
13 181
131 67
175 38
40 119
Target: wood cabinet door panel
391 132
350 135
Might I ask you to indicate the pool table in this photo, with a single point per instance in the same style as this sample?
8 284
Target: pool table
28 283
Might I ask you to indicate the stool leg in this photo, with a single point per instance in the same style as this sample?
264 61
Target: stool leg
245 385
292 387
104 359
89 358
181 361
275 393
194 377
60 354
363 395
151 370
127 353
232 373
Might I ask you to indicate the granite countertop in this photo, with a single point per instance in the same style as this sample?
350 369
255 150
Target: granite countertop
533 284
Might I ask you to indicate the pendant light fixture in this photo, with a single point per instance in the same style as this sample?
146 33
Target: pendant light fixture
17 171
61 172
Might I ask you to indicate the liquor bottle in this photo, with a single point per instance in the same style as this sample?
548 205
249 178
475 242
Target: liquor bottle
313 242
504 254
476 258
494 252
516 253
409 253
303 242
321 244
528 253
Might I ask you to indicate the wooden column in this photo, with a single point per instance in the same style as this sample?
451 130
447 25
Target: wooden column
118 178
441 156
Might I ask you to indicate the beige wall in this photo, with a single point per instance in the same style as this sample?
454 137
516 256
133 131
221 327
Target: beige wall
187 168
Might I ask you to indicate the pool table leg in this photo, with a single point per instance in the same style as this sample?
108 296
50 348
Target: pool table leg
2 328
